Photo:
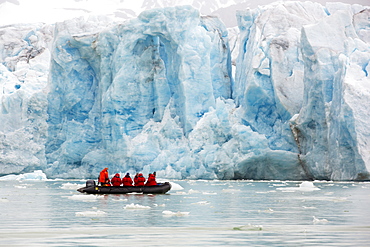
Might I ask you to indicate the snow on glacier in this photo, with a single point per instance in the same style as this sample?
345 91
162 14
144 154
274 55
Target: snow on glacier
157 93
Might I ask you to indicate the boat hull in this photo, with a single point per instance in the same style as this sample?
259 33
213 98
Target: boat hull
156 189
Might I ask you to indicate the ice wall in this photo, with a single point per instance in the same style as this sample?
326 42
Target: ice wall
336 96
106 87
304 65
157 93
24 68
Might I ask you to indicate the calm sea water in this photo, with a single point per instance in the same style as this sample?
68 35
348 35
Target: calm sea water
202 213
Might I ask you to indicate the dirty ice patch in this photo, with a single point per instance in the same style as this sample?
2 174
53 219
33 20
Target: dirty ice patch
304 186
36 175
135 206
82 197
91 213
168 213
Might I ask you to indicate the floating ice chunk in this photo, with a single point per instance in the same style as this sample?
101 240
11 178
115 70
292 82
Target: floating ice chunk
180 193
36 175
170 213
269 210
82 197
175 186
191 191
265 192
318 221
201 203
4 200
91 213
308 185
20 187
304 186
279 185
209 193
230 190
120 199
71 186
135 206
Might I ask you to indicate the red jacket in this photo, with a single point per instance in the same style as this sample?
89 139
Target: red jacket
127 181
104 176
140 181
116 180
151 180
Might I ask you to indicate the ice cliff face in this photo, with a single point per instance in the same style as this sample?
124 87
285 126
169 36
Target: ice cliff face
157 93
307 66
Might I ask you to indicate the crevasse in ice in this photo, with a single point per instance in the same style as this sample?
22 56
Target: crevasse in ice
157 93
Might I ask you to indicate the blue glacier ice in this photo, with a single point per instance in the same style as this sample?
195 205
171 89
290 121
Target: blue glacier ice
163 93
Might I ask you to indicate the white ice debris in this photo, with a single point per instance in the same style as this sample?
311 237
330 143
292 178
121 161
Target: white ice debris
135 206
178 213
71 186
83 197
201 203
91 213
319 221
305 186
36 175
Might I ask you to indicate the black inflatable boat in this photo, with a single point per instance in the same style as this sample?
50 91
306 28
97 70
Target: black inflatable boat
92 188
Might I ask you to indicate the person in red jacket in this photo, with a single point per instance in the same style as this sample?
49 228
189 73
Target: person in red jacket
151 180
126 180
104 177
116 180
140 181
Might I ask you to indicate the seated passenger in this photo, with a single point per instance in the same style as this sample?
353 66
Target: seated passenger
151 180
126 180
116 180
140 181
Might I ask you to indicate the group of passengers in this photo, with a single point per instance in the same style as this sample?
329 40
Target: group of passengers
139 179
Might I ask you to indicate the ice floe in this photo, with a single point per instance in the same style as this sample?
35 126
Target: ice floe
36 175
135 206
120 199
71 186
304 186
170 213
201 203
319 221
175 186
83 197
91 213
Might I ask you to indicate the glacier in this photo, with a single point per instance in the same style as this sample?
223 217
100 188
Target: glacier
284 96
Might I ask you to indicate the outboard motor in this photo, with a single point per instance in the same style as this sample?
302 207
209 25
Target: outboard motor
90 183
